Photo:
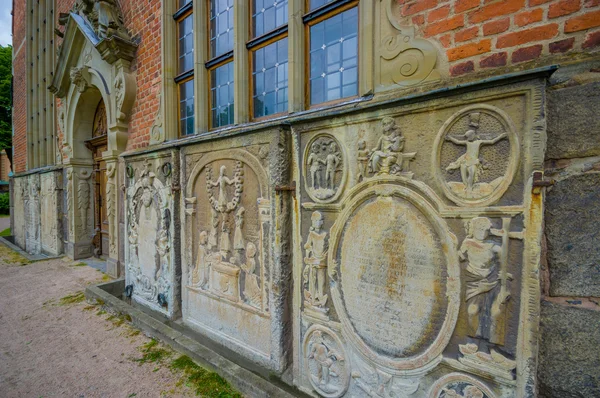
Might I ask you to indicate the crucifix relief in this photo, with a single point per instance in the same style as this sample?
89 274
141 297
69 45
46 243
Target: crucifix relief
486 303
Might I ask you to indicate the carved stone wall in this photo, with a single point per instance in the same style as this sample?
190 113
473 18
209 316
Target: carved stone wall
234 286
152 230
37 213
417 249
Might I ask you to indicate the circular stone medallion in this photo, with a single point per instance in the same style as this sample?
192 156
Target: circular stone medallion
398 278
324 168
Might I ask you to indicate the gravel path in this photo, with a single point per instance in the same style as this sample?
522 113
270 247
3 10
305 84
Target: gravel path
49 348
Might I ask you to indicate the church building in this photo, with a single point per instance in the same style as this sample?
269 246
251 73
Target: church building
359 198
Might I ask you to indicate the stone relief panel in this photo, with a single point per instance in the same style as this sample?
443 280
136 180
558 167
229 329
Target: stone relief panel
149 261
21 193
32 215
457 385
326 362
231 264
51 209
415 276
476 156
325 171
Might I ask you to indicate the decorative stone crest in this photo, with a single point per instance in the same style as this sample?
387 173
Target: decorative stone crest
376 383
477 155
324 168
326 362
405 60
104 16
388 156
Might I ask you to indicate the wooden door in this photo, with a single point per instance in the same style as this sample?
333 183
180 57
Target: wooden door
98 145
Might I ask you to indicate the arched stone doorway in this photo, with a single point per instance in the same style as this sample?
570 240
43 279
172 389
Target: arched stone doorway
96 89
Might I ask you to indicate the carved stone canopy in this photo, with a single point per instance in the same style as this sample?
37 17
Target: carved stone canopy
99 22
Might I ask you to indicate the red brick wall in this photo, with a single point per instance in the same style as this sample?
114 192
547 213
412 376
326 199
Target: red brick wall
484 34
19 88
4 166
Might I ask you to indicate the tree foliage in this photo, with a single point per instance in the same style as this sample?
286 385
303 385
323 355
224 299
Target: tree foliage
5 97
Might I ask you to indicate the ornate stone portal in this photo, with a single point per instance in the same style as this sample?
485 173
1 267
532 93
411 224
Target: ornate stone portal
414 274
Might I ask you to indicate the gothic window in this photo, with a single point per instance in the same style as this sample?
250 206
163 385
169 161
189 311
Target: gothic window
333 50
269 57
185 67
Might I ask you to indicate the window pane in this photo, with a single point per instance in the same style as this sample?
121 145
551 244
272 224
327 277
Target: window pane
334 57
186 45
181 3
221 27
268 15
221 87
186 108
270 74
318 3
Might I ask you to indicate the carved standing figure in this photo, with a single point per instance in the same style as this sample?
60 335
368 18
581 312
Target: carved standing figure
384 157
315 164
214 224
331 164
83 198
222 182
326 358
199 275
481 255
111 204
469 163
315 262
238 237
363 160
251 288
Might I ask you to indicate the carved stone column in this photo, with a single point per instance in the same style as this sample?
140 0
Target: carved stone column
112 211
79 187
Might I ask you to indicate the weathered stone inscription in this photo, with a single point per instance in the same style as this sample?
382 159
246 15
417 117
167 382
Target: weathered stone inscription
393 277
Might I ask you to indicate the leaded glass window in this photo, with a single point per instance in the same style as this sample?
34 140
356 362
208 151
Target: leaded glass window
221 92
186 107
221 27
334 57
267 15
270 79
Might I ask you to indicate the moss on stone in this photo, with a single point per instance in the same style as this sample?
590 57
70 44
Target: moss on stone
204 382
152 352
72 299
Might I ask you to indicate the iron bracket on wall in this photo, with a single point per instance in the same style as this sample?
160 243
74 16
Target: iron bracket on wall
287 188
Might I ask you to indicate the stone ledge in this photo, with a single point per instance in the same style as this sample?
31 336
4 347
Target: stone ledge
245 381
7 241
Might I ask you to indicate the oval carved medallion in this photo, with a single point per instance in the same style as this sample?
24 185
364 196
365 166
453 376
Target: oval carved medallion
397 292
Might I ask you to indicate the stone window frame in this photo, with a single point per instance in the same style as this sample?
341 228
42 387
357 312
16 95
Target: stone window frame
183 76
314 16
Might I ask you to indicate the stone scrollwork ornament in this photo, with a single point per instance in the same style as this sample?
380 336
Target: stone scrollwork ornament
326 362
405 60
377 383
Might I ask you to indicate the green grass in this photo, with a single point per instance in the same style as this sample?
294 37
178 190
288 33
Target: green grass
72 299
204 382
6 232
152 353
10 256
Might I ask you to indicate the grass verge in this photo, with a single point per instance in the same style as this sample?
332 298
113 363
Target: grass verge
204 382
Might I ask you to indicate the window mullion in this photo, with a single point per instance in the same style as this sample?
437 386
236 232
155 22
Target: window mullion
201 55
296 56
241 73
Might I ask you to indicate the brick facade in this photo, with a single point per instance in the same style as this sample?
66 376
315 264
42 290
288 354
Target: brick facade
480 34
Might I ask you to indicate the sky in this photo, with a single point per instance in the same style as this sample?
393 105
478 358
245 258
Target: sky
5 22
